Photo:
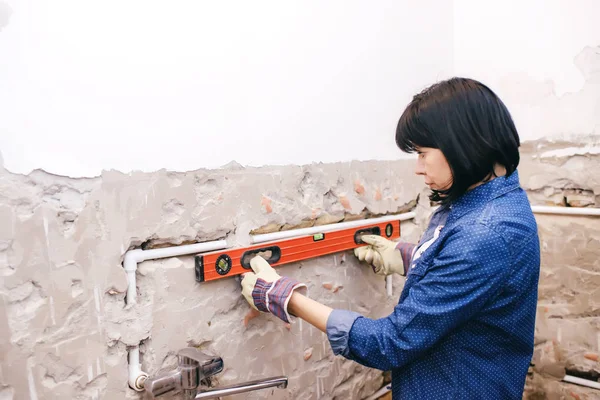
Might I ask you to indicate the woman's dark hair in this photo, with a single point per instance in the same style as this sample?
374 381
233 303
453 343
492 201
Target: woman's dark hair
469 124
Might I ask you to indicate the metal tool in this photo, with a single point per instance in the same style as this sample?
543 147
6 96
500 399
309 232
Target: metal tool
193 367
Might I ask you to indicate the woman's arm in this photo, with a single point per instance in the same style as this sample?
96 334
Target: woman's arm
309 310
470 269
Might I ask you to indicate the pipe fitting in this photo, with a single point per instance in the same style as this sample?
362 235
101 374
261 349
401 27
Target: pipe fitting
138 381
132 258
137 377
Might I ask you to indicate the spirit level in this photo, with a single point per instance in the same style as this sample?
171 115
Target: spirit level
226 263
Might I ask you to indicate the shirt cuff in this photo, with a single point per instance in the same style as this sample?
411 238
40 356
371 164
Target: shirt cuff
406 252
338 327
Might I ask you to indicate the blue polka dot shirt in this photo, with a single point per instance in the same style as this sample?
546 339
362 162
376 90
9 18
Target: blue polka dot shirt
463 327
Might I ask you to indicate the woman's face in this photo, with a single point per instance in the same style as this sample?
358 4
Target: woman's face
432 164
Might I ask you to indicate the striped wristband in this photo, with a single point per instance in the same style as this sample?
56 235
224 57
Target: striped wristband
274 297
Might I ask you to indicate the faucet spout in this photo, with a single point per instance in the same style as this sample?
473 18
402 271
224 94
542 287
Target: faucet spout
278 381
193 367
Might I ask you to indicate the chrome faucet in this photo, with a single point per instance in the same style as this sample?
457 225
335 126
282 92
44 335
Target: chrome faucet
277 381
193 367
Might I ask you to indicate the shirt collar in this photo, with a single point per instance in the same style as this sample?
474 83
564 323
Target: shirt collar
485 193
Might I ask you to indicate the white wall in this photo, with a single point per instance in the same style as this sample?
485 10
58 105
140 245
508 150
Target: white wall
181 85
538 55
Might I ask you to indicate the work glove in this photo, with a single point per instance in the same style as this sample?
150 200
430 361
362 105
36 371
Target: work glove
381 254
266 291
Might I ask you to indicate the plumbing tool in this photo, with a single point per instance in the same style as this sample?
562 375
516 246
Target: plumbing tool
231 262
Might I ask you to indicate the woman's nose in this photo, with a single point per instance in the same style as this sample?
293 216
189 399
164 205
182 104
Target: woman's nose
419 167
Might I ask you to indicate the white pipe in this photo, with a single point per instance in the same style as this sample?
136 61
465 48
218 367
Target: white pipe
581 381
137 377
267 237
568 378
134 257
566 210
384 389
130 263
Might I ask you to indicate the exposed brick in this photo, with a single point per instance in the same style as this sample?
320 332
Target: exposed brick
308 354
345 202
358 187
266 203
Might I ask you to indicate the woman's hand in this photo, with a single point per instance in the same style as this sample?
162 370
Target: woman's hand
266 291
381 254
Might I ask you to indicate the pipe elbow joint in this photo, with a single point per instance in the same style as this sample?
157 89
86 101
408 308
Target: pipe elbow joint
132 258
137 377
137 380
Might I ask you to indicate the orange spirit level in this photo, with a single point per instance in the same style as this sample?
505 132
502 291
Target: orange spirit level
226 263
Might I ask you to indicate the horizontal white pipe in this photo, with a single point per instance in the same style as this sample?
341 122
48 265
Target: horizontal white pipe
581 381
174 251
137 377
568 378
267 237
561 210
136 256
133 257
384 389
566 210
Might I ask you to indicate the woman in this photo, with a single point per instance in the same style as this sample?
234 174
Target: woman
464 325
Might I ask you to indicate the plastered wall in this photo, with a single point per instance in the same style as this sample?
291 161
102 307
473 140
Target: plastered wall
66 328
567 333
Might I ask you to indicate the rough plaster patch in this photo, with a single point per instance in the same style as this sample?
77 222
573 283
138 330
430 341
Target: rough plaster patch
568 300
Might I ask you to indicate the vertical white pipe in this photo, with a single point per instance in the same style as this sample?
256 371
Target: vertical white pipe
131 288
130 263
137 377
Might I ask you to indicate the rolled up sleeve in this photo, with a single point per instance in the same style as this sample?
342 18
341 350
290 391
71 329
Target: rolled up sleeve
469 270
338 327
